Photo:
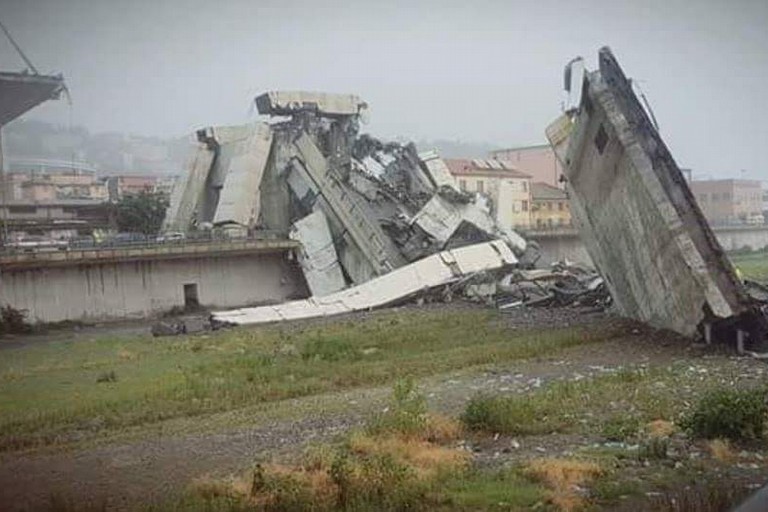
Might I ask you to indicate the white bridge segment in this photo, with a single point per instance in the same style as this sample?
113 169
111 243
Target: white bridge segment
433 271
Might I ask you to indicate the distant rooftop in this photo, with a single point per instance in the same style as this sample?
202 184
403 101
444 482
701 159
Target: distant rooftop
521 148
459 167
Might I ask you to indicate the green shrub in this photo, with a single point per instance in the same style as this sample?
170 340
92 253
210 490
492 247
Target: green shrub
13 321
728 413
509 415
109 376
620 428
374 482
653 448
406 414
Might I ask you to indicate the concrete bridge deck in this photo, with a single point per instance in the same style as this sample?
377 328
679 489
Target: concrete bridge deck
10 260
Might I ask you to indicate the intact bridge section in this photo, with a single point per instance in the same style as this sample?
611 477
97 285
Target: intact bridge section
136 282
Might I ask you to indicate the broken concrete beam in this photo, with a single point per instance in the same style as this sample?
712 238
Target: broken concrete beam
286 103
438 170
364 231
239 197
399 285
188 190
317 257
637 216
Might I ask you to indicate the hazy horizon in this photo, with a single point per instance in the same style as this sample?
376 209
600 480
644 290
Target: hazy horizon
488 72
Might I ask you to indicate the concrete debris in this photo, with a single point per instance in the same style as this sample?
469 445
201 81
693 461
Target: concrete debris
437 271
637 217
318 257
287 103
188 324
362 208
565 284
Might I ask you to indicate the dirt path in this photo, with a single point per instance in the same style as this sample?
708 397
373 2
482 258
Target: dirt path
122 474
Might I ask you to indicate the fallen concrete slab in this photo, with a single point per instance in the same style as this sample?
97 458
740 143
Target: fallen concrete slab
318 258
396 286
637 217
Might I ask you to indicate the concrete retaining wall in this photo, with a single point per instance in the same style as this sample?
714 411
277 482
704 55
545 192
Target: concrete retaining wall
141 288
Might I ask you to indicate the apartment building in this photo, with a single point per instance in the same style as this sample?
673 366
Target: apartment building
508 189
538 161
730 201
549 207
35 180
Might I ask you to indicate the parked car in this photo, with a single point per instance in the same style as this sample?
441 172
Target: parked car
171 237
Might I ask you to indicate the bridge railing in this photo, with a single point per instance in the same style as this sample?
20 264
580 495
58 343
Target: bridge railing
158 241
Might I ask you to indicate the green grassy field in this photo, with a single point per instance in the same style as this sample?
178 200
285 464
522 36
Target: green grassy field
56 391
753 265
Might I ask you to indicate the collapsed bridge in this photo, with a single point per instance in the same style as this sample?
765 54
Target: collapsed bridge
360 207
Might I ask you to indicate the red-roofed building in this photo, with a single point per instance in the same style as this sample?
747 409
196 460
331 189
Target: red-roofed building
508 188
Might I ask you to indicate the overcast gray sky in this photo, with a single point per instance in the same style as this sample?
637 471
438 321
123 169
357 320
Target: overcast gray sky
475 70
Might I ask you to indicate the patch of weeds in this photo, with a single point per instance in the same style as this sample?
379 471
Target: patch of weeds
390 466
574 406
738 415
109 376
508 415
13 321
722 451
659 428
620 428
406 414
376 482
329 349
610 490
481 490
653 448
564 478
704 497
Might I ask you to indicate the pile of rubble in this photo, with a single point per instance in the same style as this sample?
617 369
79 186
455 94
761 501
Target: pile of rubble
360 207
565 284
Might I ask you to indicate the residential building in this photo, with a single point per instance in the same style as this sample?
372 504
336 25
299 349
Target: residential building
538 161
765 204
60 218
730 201
508 189
126 185
38 180
549 207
